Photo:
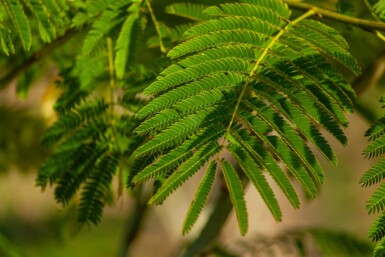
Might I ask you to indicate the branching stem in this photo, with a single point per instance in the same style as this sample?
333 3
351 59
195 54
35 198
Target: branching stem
361 23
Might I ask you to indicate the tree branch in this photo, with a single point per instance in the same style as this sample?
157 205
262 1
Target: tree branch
134 222
361 23
35 57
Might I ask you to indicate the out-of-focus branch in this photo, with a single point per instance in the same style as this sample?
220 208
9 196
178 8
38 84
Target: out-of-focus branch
37 56
361 23
137 216
370 76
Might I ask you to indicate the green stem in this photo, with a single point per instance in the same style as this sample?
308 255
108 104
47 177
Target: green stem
361 23
380 35
112 78
156 24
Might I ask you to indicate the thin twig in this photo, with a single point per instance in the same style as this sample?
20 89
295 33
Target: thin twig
156 24
361 23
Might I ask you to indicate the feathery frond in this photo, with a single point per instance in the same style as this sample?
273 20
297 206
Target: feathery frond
46 27
200 197
93 135
20 22
190 11
108 19
96 189
379 250
377 201
374 175
185 171
273 78
234 185
126 42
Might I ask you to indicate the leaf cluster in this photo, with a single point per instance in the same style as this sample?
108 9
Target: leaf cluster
253 84
248 95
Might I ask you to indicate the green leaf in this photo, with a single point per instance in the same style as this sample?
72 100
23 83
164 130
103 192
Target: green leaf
254 173
96 190
234 185
379 250
185 171
20 22
179 154
374 175
376 202
102 26
187 10
262 79
126 43
375 148
46 27
377 230
200 197
267 162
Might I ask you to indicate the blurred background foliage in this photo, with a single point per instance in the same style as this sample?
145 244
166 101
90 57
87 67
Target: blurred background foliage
32 225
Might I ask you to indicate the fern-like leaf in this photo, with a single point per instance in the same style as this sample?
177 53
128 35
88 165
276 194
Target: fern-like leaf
375 148
186 170
102 26
95 192
72 120
190 11
377 230
20 21
376 130
200 197
379 250
234 185
46 26
126 42
179 154
377 201
255 175
375 175
262 79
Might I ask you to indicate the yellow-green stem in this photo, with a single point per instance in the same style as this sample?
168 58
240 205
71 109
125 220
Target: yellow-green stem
112 77
111 118
380 35
360 23
156 24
